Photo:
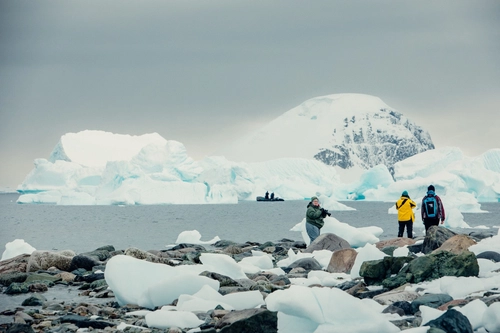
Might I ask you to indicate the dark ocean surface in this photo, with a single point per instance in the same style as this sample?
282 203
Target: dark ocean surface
85 228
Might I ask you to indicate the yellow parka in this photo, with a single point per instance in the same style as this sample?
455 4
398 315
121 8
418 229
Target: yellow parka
405 209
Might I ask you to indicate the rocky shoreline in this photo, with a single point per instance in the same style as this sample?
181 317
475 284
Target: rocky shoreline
33 285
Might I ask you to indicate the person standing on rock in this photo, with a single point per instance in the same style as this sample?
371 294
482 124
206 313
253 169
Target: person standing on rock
314 218
432 209
405 214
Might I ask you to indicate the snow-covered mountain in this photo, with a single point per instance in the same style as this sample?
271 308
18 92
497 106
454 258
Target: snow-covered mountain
344 130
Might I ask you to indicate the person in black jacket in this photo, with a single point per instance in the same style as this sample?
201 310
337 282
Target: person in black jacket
431 215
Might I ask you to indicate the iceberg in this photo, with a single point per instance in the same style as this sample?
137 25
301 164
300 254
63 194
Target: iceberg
102 168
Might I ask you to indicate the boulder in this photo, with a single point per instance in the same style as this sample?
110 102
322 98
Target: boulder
43 260
451 321
399 242
329 242
342 261
17 264
435 237
434 266
456 244
249 321
375 271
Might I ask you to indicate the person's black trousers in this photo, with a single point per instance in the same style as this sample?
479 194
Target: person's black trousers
428 222
409 228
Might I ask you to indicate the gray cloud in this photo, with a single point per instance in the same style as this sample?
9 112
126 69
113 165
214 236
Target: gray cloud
205 72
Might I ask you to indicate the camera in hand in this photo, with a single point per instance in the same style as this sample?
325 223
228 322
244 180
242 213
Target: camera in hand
324 213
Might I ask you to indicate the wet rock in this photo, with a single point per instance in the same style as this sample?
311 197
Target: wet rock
225 281
8 278
456 244
490 255
329 242
35 300
435 237
17 264
223 243
415 248
452 321
17 328
42 260
249 321
83 261
342 261
53 306
347 285
81 322
360 286
394 309
369 293
89 278
38 287
308 264
405 306
231 290
430 300
190 247
482 234
17 288
42 277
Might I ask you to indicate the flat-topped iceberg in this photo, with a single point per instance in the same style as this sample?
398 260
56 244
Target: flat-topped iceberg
101 168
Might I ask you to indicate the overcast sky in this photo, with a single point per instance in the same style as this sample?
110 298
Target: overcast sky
206 72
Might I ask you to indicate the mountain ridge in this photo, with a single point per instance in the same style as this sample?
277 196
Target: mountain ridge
344 130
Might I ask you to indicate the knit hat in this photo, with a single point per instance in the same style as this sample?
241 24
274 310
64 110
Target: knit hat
314 198
431 188
405 194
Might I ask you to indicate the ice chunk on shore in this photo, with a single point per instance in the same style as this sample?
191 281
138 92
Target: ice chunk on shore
15 248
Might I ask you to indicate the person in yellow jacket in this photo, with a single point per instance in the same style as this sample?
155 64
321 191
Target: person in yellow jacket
406 216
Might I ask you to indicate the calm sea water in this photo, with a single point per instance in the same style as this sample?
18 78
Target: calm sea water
84 228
